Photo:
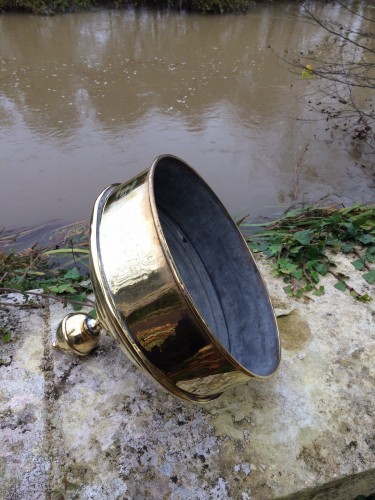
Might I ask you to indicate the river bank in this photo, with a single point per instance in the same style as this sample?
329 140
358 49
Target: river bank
50 7
302 246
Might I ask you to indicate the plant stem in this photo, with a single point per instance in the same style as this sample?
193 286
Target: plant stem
48 296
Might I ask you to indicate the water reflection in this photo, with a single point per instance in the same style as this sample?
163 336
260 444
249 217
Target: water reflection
91 98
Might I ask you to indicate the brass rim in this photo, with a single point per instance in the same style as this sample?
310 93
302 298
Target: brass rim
183 291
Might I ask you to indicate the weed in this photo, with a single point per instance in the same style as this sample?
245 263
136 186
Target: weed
34 269
5 335
301 242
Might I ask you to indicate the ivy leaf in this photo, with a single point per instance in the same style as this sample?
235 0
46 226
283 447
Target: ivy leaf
298 273
303 237
366 238
311 264
254 247
296 249
359 264
93 313
319 291
352 229
336 218
289 268
299 292
363 298
72 274
273 250
79 297
347 247
321 268
340 285
369 277
63 288
313 252
315 276
334 243
288 290
263 246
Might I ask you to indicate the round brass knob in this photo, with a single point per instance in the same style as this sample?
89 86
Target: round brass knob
78 333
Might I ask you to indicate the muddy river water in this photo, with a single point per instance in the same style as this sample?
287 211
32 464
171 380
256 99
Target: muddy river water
89 99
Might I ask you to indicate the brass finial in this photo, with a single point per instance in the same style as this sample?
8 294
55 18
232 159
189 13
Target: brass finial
78 333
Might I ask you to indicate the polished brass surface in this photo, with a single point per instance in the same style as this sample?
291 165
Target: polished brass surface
77 333
184 321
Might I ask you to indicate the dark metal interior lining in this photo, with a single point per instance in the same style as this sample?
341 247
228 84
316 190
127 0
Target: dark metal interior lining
216 267
195 277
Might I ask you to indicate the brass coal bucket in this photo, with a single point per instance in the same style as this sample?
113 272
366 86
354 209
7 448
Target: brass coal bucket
176 286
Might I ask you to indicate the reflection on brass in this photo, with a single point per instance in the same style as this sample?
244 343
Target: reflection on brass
176 285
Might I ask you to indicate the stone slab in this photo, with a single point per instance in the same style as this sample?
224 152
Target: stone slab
24 456
99 428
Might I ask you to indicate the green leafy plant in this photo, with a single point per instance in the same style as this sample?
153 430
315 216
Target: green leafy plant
5 335
46 7
300 244
302 240
34 269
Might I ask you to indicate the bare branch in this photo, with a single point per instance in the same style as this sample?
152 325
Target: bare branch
354 12
340 32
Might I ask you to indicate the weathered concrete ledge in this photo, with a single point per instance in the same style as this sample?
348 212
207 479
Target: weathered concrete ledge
98 428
